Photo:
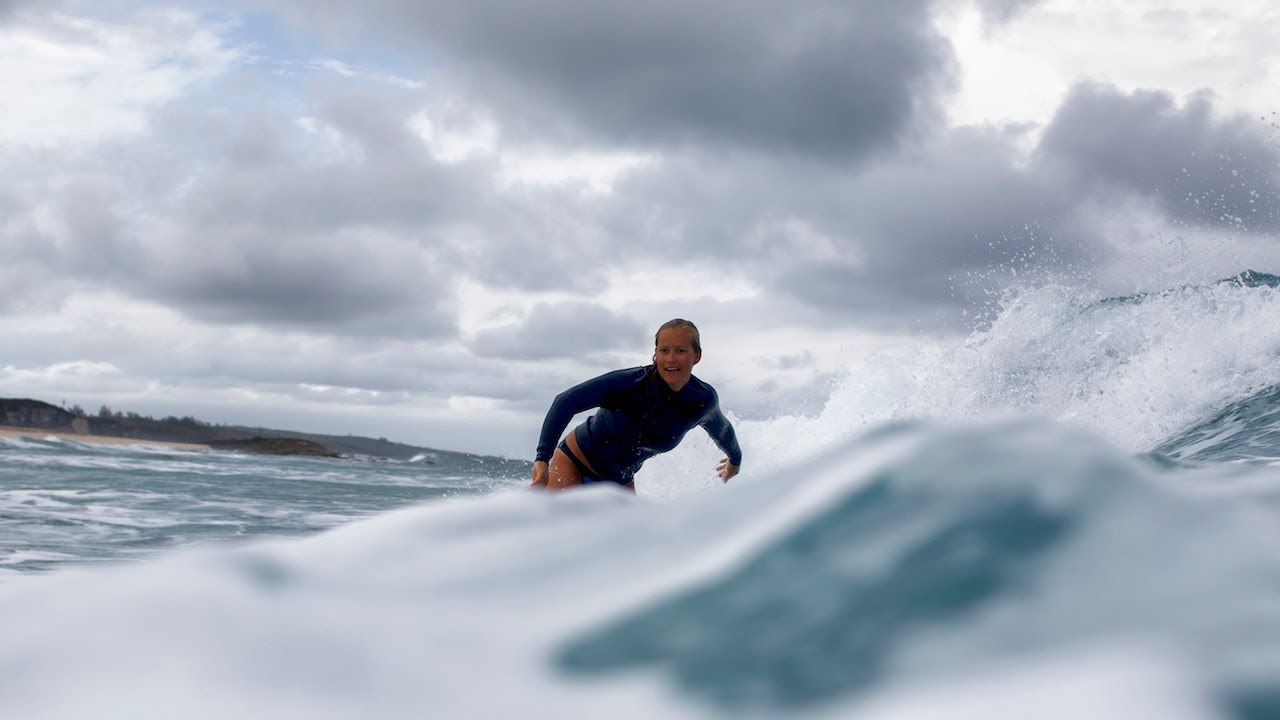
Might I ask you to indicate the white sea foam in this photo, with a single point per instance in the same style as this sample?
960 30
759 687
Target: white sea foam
464 608
17 558
1114 682
21 443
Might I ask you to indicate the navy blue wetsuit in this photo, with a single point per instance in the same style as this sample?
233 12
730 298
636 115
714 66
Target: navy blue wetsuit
639 417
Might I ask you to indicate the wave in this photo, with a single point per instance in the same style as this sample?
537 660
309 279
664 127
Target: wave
889 577
993 542
22 443
1136 372
1247 430
1140 370
1247 279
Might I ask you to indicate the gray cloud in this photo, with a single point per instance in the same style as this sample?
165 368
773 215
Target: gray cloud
573 329
925 223
262 175
794 361
247 220
331 280
327 284
1201 169
266 172
7 7
822 77
923 239
885 245
928 237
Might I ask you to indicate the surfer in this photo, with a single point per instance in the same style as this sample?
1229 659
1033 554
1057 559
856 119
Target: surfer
643 411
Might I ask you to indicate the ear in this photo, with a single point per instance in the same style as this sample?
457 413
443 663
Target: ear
697 358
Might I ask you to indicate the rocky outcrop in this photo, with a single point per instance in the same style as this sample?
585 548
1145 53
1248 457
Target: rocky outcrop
37 414
275 446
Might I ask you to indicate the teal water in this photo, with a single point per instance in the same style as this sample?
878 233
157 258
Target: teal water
67 502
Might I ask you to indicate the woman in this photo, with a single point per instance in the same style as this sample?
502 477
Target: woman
643 411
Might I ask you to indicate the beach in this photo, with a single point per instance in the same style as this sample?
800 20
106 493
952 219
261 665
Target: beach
41 433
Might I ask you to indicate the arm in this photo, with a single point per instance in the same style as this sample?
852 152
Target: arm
718 427
573 401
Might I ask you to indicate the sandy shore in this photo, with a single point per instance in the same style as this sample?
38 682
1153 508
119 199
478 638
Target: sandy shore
39 434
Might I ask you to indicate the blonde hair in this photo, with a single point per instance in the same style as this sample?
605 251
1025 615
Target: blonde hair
677 324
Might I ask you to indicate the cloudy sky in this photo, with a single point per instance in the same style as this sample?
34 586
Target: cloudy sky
420 219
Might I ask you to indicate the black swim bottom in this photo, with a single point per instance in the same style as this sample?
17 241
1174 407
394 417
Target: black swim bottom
583 470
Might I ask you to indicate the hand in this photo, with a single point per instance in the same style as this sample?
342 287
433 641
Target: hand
726 470
540 473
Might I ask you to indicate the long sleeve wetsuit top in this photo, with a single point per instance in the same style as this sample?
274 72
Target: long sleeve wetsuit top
639 416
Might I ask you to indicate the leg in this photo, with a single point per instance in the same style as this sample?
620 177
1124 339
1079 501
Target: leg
562 473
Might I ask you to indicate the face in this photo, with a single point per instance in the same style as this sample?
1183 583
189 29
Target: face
674 356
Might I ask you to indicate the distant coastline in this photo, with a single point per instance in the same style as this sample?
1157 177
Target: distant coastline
17 431
25 417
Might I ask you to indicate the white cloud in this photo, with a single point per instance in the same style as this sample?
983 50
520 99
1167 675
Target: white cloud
69 79
346 70
595 172
58 373
331 145
632 287
454 133
471 403
1019 71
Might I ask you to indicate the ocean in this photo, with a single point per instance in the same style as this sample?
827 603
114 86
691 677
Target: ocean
1072 513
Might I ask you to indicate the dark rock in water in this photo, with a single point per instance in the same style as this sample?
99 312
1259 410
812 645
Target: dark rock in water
275 446
37 414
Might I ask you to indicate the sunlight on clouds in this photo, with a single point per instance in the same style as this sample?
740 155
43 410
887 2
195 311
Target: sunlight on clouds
83 80
999 81
105 309
331 144
342 392
481 307
453 134
798 239
57 373
85 322
595 171
1020 71
75 380
629 288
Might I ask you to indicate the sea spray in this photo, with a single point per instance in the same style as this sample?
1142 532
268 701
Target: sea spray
1136 370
